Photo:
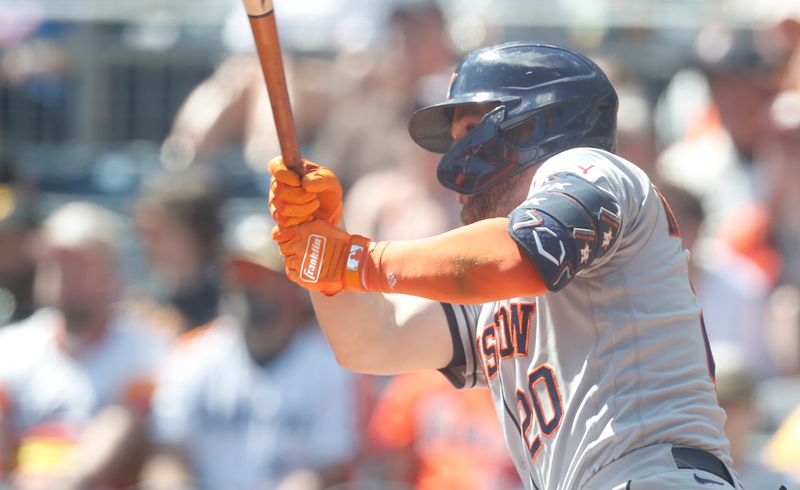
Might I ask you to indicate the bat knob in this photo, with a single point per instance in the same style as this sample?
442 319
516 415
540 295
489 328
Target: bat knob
257 8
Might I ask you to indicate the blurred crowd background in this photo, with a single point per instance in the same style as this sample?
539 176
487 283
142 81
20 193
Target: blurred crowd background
149 339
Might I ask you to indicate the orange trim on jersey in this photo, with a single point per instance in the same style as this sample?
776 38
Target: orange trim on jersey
525 322
672 222
502 325
532 387
513 327
528 420
488 353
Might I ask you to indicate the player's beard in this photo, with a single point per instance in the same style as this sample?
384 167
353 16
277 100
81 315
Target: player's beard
497 202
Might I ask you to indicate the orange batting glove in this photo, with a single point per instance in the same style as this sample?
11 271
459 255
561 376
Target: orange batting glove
293 200
321 257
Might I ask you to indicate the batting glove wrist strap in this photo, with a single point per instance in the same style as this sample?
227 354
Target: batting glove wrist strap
324 258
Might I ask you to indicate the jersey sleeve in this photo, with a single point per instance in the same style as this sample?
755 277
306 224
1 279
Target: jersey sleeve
574 216
464 370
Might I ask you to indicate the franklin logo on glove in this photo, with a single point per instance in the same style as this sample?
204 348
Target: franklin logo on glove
312 260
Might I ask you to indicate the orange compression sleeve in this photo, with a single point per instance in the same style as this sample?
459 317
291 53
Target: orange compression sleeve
472 264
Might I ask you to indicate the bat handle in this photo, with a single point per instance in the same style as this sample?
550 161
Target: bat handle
265 34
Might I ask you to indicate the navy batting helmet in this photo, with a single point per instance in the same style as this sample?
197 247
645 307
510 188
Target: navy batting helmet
549 99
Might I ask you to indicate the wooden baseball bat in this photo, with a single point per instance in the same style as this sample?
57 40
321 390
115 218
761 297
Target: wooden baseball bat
265 33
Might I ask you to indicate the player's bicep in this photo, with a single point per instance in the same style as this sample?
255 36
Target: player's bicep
565 227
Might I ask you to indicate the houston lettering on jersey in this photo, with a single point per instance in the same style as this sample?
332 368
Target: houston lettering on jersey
507 336
312 260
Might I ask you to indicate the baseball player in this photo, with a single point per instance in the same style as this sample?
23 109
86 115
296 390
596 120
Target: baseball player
566 293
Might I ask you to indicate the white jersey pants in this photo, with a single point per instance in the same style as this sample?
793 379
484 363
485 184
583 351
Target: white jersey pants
654 468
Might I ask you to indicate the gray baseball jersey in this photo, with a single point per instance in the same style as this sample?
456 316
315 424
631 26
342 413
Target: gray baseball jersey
614 357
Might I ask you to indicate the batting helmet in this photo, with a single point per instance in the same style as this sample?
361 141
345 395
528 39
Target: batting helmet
549 99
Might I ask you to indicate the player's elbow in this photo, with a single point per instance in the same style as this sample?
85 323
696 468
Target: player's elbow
360 363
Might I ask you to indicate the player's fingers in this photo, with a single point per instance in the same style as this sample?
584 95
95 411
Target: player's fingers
287 221
282 173
329 214
309 166
286 176
282 235
290 262
293 276
294 195
288 210
321 180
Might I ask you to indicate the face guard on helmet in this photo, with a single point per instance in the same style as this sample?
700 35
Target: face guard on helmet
549 99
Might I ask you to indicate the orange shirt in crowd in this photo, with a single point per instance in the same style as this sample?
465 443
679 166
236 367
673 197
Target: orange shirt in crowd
453 436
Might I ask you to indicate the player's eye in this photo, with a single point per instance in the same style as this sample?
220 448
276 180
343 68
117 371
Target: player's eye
522 133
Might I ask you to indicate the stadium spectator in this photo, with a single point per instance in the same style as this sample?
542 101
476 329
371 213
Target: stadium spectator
432 436
255 399
179 220
741 76
76 376
780 178
230 109
17 236
417 206
230 106
736 393
411 68
732 291
782 451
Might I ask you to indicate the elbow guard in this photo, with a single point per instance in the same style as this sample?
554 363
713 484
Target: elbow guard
566 226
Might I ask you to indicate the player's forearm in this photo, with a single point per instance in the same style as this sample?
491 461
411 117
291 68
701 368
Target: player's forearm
472 264
371 334
353 324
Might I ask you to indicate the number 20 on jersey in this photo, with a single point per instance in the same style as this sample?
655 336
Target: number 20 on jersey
541 400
